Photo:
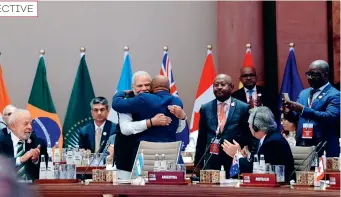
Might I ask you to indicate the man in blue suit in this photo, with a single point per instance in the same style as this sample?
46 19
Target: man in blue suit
146 106
224 118
97 133
317 110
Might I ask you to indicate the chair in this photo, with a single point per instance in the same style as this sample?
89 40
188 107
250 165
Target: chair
300 153
170 149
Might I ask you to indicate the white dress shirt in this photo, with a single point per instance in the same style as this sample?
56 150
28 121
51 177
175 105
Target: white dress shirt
102 126
254 93
227 107
130 127
15 141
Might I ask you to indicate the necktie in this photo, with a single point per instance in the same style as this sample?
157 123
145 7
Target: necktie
98 138
251 103
311 94
20 153
259 145
222 116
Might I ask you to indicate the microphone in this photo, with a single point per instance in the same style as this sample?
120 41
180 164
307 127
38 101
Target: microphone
202 157
92 160
313 151
219 135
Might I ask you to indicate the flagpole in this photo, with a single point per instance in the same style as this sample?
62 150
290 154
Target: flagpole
42 52
165 48
291 45
209 47
126 48
248 46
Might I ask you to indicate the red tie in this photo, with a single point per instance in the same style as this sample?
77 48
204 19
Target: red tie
222 116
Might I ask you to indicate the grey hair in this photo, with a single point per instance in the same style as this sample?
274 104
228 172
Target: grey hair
16 114
99 100
264 120
140 73
9 108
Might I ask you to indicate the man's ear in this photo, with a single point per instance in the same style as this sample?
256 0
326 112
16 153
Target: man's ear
232 86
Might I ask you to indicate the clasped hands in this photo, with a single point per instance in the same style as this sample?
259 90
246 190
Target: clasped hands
288 106
32 154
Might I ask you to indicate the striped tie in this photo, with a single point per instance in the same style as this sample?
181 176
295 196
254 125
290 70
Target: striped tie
20 153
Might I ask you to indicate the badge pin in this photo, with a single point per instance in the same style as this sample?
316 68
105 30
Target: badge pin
105 133
232 104
320 97
259 95
29 141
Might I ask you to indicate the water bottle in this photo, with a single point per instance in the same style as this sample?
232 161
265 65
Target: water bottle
156 163
262 166
163 163
49 149
222 174
42 168
255 164
56 155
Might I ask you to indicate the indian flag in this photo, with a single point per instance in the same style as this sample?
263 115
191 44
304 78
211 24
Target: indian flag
46 123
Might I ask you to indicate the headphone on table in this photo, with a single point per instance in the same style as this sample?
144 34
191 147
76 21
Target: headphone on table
254 127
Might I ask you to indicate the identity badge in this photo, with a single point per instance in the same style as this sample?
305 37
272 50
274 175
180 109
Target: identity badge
307 130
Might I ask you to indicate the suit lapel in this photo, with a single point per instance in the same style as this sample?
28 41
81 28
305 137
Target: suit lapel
321 96
91 133
8 146
106 131
231 111
214 115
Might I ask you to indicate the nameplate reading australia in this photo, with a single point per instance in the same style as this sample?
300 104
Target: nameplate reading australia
250 179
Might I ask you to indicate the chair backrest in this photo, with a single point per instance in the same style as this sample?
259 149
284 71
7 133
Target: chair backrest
170 149
300 153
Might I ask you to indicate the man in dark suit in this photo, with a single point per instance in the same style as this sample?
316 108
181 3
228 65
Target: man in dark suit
97 133
272 144
224 118
317 110
251 93
21 145
146 106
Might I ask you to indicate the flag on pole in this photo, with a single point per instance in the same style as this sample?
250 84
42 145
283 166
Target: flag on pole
248 62
321 168
4 98
78 113
234 169
46 123
166 70
291 83
204 95
139 164
125 82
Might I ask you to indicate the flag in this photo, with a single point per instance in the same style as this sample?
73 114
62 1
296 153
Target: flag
248 62
234 170
78 113
125 82
320 170
291 83
139 165
4 98
204 95
46 123
166 70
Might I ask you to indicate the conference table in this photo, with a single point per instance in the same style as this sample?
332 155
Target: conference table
195 190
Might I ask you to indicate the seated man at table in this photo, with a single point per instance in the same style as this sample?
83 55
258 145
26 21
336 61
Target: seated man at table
97 133
146 106
272 144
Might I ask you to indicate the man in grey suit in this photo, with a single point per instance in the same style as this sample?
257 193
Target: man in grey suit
224 118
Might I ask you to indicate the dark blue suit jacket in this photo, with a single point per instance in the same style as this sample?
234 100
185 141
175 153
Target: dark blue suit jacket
236 128
325 115
87 135
276 151
147 106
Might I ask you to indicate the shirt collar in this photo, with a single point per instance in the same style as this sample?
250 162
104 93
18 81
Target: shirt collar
262 140
14 138
323 87
9 130
102 126
228 101
247 90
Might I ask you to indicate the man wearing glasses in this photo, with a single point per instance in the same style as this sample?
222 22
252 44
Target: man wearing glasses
250 93
8 110
92 135
317 110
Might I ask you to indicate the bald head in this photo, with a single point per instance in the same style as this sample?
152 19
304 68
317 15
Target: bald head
318 73
20 122
248 77
160 83
222 87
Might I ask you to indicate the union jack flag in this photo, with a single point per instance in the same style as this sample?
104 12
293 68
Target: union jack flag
166 70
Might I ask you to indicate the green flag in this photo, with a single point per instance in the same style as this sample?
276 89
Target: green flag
78 112
46 122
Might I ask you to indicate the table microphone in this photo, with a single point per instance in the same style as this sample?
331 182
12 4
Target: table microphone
202 157
313 151
92 160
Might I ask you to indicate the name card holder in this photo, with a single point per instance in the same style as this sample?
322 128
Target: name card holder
166 178
260 180
334 180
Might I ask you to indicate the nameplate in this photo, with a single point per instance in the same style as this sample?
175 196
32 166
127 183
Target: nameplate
166 177
266 180
334 180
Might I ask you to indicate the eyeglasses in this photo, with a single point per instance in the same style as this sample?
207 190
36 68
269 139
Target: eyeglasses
248 75
312 74
8 114
223 85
